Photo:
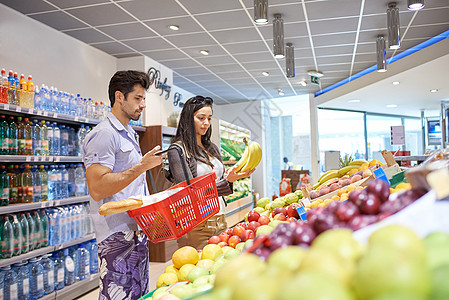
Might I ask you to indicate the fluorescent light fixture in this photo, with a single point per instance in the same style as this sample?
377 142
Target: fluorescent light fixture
204 52
290 60
261 12
265 73
381 52
303 83
394 34
354 101
278 36
392 105
173 27
280 92
433 90
395 82
415 4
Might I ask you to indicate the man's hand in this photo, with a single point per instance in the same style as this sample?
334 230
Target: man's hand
149 160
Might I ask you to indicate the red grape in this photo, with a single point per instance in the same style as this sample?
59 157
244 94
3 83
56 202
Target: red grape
371 205
346 211
379 188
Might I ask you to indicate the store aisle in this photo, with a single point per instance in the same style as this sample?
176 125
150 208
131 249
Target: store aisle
156 269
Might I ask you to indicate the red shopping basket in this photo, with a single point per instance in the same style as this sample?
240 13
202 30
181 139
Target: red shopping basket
178 214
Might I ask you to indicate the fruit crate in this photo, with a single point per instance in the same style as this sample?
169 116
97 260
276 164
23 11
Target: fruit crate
397 179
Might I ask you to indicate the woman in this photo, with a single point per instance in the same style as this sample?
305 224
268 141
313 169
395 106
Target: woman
203 157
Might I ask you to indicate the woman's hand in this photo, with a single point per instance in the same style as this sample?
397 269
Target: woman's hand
232 176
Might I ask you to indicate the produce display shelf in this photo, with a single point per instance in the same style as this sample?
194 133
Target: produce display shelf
411 158
45 250
37 205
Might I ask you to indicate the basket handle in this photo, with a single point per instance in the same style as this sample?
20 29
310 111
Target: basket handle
183 162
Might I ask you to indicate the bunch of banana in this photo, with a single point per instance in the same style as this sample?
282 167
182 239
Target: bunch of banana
346 169
328 175
250 158
358 162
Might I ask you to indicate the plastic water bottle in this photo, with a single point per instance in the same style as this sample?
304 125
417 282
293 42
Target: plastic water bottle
23 279
84 262
52 183
79 181
37 97
72 105
13 185
44 183
20 136
12 133
64 150
51 140
46 105
17 234
59 182
27 185
4 186
49 274
71 180
79 105
80 139
10 283
62 225
37 278
36 138
54 220
43 139
71 141
25 232
37 189
93 252
38 233
64 181
4 139
68 223
66 103
69 262
56 144
31 230
88 220
83 215
6 238
44 228
59 270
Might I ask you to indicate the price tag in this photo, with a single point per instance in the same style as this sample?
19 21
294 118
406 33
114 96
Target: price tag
18 109
380 174
6 106
39 112
55 115
57 159
76 119
28 158
45 113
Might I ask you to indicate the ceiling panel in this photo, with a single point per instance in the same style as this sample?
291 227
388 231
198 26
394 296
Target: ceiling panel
191 39
88 35
333 26
180 63
426 31
290 30
335 50
245 47
225 68
334 60
186 25
112 48
58 20
236 35
127 31
333 39
215 60
147 44
257 56
194 51
224 20
71 3
205 6
101 14
28 7
166 54
147 10
332 9
193 71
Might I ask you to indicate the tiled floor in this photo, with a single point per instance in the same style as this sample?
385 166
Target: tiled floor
156 269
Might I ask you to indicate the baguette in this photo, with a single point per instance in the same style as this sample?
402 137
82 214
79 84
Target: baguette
116 207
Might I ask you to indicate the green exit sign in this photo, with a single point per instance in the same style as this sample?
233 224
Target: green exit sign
315 79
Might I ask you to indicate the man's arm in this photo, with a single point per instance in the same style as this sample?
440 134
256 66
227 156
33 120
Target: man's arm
103 183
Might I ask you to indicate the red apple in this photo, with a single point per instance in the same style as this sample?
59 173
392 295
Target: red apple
214 240
279 210
233 241
222 244
247 234
237 230
223 237
245 225
280 217
292 212
253 216
291 219
263 220
253 225
228 231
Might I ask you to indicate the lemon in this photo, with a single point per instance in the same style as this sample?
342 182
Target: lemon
166 278
184 271
185 255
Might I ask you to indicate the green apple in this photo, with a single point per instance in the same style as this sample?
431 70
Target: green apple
196 273
263 202
204 287
205 263
160 292
232 253
201 281
226 249
259 209
264 229
288 258
217 265
437 246
183 290
341 242
240 246
274 223
256 288
440 276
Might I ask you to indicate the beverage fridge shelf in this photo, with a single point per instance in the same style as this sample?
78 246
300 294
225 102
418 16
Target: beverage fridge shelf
12 208
43 159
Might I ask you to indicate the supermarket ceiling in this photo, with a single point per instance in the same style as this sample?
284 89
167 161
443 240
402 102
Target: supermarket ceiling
335 37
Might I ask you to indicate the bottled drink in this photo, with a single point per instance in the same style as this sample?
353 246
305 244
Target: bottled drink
19 184
52 183
27 185
10 283
51 140
20 136
83 262
36 137
23 91
64 141
4 87
13 185
3 135
80 138
59 188
16 89
37 97
71 181
64 181
36 278
23 279
90 108
62 225
30 92
79 105
83 217
31 230
65 103
73 103
38 232
79 181
17 234
44 183
49 274
44 228
68 223
93 251
72 141
37 185
25 232
77 222
12 133
69 264
6 238
44 139
4 186
11 88
27 135
53 233
88 221
56 139
59 270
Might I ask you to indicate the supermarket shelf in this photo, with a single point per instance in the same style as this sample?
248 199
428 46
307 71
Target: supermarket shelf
237 209
411 158
50 296
45 250
68 159
78 288
37 205
43 159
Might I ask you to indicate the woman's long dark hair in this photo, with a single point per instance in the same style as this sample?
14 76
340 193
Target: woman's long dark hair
186 132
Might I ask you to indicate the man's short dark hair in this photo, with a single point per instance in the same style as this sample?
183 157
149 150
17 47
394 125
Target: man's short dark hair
124 81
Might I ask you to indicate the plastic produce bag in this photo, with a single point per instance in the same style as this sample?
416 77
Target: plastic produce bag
285 186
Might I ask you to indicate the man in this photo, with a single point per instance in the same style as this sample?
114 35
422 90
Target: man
115 170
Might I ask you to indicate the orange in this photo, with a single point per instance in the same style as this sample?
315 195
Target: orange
185 255
350 187
374 162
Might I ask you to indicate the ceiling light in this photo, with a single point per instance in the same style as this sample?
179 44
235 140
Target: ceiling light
354 101
415 4
173 27
394 35
290 60
280 92
395 82
278 36
265 73
204 52
381 54
303 83
315 73
433 90
392 105
261 12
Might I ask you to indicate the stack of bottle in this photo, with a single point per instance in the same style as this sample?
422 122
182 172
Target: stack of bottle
43 275
16 91
27 184
40 138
